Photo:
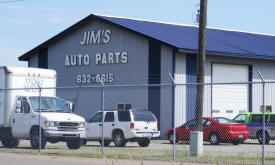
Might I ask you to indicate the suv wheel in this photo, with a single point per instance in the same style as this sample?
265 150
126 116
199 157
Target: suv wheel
171 138
214 139
119 139
260 138
106 143
143 142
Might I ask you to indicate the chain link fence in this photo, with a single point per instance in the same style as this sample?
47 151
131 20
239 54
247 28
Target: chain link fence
142 121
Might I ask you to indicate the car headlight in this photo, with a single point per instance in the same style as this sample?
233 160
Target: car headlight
82 125
50 124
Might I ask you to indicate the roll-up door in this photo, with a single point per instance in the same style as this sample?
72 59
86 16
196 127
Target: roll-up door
229 100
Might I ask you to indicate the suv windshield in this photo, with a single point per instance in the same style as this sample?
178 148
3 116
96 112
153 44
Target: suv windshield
143 115
49 104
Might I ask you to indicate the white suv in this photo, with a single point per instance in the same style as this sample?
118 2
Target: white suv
122 126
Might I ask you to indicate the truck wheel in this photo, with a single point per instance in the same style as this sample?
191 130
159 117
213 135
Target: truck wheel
144 142
34 139
119 139
74 143
10 142
260 138
106 143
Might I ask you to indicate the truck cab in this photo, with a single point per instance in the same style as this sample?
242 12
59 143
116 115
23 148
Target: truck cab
27 101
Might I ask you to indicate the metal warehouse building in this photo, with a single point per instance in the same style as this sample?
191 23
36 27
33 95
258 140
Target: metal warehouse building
124 51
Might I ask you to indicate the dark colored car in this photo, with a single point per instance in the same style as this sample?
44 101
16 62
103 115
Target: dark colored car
215 130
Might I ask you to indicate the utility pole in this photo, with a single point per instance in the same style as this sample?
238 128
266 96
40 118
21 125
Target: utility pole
196 137
200 63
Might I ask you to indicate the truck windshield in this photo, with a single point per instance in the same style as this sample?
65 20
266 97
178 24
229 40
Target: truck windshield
49 104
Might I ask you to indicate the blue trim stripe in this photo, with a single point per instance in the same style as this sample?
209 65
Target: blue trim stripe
191 77
260 125
154 76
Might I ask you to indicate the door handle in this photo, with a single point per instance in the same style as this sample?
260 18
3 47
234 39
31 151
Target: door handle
13 120
33 116
100 124
113 124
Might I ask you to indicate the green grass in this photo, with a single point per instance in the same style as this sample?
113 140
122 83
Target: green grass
138 153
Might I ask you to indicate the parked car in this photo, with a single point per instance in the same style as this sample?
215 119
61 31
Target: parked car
215 130
254 123
121 126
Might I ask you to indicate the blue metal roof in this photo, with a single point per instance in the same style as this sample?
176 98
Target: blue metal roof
182 37
218 42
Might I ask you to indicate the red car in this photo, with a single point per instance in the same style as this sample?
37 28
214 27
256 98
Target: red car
215 130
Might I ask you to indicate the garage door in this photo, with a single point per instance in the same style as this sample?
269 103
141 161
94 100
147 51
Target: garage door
229 100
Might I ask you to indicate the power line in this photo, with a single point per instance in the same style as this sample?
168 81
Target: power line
11 1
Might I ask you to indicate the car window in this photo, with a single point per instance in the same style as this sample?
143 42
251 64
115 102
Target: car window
207 123
258 118
109 117
191 123
96 118
240 118
272 119
124 116
223 120
143 115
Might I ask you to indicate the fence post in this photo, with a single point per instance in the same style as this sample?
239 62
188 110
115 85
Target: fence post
40 120
263 123
174 124
102 122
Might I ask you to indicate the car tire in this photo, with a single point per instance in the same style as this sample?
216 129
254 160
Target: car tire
106 143
143 142
260 139
74 143
214 139
119 139
171 138
236 142
34 139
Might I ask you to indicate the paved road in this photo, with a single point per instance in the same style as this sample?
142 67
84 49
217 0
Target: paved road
27 159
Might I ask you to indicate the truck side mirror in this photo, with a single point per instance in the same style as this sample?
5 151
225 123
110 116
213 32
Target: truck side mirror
70 105
18 106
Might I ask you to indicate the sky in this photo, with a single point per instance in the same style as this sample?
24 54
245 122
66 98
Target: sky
24 24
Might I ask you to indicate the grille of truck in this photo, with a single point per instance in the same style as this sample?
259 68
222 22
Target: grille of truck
68 125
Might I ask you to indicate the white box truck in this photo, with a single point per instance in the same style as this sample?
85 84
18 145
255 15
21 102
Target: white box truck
20 106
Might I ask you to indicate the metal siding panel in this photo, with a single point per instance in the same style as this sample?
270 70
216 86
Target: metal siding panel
166 103
33 62
180 90
134 72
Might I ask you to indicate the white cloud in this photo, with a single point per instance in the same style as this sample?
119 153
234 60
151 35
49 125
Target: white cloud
20 21
55 19
40 8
